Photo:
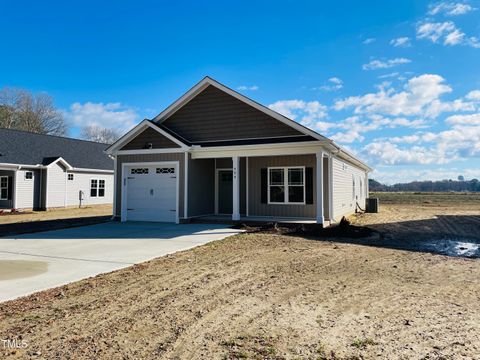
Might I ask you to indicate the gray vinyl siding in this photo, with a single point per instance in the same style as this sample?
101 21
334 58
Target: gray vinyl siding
201 187
256 208
153 137
214 115
27 190
344 197
122 159
81 182
7 204
56 186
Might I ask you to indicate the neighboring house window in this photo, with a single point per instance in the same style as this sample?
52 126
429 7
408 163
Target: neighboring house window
3 187
93 188
101 188
286 185
97 188
29 175
70 176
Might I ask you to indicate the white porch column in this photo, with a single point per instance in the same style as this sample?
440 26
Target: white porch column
319 187
236 187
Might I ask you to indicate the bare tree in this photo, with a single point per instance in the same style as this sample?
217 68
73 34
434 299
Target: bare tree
100 134
22 110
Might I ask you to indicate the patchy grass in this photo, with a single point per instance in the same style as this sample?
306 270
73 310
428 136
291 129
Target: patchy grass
54 214
434 198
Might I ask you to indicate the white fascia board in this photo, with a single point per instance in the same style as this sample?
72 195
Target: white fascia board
61 160
113 149
199 87
258 150
91 170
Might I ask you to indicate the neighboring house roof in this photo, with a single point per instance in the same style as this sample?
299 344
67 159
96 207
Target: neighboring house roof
26 148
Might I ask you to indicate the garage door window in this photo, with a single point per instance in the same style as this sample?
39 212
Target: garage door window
166 170
139 171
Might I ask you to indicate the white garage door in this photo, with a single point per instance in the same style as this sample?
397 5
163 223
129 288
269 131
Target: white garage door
151 193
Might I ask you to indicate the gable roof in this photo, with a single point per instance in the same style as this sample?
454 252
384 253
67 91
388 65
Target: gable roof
27 148
207 81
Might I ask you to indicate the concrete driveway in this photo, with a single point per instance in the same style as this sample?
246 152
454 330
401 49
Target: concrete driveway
34 262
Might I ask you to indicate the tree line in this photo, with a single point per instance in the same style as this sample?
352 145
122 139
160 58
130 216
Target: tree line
428 186
22 110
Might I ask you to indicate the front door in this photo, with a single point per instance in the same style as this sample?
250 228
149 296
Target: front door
225 191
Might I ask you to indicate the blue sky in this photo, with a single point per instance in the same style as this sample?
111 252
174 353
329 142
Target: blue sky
396 82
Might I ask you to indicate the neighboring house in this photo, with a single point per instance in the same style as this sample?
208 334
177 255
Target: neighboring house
215 151
42 171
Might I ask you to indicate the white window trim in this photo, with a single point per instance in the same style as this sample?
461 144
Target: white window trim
98 188
25 176
285 184
1 177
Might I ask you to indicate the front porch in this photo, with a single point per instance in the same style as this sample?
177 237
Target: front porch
258 189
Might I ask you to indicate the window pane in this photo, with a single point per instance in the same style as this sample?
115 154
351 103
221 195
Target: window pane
101 184
295 176
101 192
3 182
277 194
93 192
295 194
276 176
4 193
28 175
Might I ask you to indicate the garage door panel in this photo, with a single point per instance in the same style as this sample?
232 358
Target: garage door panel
151 195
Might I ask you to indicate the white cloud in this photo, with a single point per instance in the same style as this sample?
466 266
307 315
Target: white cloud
461 141
420 96
447 33
401 42
378 64
450 8
109 115
389 75
369 41
473 95
471 119
306 112
248 88
334 84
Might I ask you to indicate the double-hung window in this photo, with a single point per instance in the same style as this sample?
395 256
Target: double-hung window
3 187
97 188
286 185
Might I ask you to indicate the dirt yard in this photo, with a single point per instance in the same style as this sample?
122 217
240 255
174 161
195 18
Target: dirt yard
268 296
54 214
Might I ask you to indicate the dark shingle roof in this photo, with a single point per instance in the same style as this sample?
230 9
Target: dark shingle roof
21 147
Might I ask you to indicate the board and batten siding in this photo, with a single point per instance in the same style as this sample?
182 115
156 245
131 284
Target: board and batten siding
345 196
56 186
201 187
27 190
81 182
256 208
139 158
